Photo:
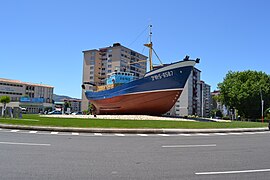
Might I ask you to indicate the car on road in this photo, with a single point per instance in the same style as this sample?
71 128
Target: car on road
55 112
23 110
77 113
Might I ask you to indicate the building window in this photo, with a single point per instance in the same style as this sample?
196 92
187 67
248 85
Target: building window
7 84
13 93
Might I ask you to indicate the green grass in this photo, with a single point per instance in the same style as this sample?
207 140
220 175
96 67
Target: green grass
36 120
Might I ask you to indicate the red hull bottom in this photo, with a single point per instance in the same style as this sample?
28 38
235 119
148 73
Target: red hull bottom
152 103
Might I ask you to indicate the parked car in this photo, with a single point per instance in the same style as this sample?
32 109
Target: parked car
55 112
77 113
24 110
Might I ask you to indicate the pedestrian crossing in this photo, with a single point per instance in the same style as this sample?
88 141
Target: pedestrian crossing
128 135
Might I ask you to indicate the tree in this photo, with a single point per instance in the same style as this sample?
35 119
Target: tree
90 108
67 105
267 113
216 113
5 100
242 90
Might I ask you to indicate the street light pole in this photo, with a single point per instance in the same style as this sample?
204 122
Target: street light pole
262 112
262 103
202 99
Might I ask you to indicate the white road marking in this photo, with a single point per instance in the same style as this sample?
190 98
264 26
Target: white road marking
202 134
221 134
75 134
262 132
189 146
233 172
27 144
249 133
184 134
122 134
32 132
14 130
97 134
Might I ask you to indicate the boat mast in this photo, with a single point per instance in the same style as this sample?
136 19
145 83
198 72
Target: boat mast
150 46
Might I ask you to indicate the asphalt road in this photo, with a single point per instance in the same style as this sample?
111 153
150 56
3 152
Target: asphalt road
48 156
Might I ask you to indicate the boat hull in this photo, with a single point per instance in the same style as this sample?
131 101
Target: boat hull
152 103
154 94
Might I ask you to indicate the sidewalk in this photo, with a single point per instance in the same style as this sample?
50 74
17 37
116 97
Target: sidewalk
130 131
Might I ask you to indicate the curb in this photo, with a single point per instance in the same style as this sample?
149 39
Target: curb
131 131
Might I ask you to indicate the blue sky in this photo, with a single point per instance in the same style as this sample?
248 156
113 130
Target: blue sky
42 41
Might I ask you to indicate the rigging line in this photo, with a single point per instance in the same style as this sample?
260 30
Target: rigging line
138 36
147 40
157 56
143 49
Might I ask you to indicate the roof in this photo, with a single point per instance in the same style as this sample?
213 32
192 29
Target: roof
73 100
114 46
24 83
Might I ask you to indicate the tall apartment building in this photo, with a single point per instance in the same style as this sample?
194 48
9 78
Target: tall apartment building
34 97
99 64
206 99
194 99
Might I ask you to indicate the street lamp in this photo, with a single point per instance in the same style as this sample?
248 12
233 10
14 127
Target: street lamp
202 100
262 103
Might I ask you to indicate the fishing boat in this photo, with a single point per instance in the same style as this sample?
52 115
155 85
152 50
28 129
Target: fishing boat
154 94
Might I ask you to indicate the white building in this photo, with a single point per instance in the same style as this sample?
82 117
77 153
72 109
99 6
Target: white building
33 97
205 99
98 64
195 98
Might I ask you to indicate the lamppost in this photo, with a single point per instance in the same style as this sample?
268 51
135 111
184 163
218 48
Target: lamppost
262 103
202 99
